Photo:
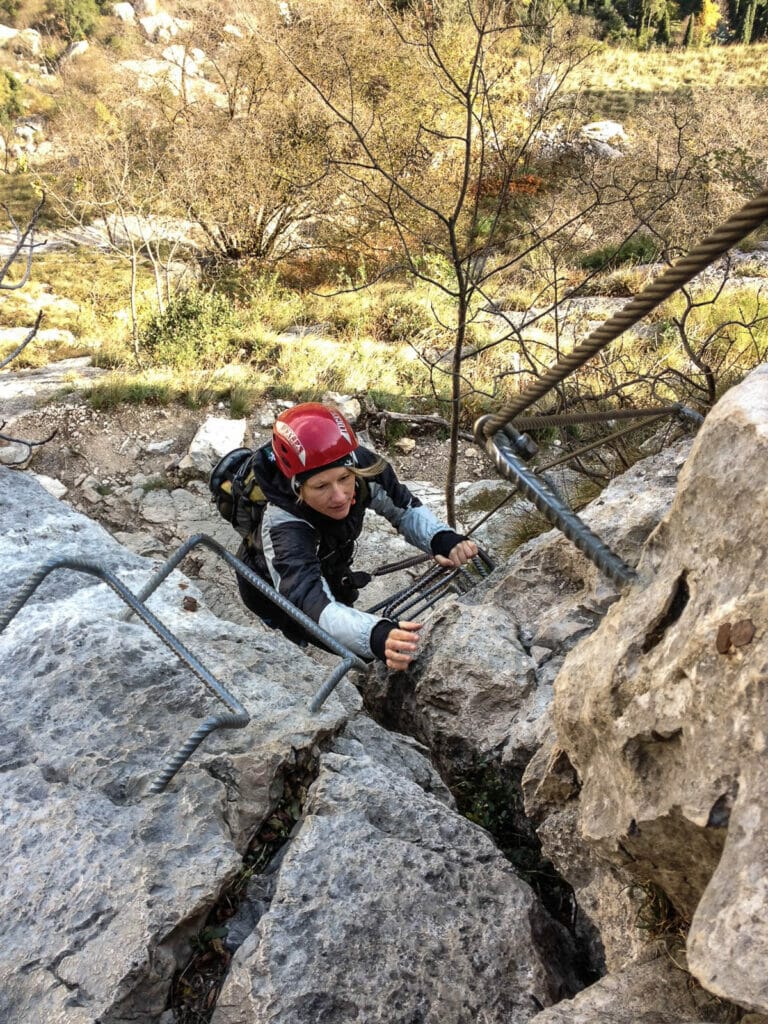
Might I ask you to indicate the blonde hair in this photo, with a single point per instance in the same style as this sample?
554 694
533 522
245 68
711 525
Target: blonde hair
369 472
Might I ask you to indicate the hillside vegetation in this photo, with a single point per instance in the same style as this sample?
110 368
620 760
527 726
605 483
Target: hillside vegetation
415 186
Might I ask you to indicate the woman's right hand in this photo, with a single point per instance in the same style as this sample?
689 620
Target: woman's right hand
401 644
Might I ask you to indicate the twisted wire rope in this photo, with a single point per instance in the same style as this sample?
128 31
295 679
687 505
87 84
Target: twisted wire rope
733 230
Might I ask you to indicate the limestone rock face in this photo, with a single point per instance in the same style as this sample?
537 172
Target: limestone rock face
124 11
103 885
483 681
388 907
661 715
649 993
30 42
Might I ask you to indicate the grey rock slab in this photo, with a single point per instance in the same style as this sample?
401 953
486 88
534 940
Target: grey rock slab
656 992
20 390
389 907
475 689
662 711
472 684
103 885
401 754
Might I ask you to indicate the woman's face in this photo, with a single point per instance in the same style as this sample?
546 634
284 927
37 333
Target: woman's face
330 492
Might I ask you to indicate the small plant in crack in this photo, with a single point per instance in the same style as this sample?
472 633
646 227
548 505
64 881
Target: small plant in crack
657 916
196 988
490 795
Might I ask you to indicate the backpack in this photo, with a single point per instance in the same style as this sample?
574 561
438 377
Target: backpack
236 493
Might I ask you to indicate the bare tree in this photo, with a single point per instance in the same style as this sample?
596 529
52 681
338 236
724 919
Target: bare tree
20 253
452 137
438 135
115 179
244 153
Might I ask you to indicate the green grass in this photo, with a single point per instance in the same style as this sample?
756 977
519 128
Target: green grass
21 193
394 376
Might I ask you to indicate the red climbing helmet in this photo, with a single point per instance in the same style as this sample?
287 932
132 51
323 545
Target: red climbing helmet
309 437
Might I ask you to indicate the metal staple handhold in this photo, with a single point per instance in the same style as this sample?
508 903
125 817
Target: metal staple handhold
203 540
239 717
432 586
237 720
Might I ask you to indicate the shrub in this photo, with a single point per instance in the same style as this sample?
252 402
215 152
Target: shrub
402 319
11 106
194 330
75 19
9 9
640 248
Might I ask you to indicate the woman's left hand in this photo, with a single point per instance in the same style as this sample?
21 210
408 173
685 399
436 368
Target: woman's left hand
458 555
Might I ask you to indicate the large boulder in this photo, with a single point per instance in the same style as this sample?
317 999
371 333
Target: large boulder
29 42
483 681
385 898
162 27
661 717
388 907
124 11
104 885
215 438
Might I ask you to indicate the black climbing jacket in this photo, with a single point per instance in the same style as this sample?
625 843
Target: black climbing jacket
308 557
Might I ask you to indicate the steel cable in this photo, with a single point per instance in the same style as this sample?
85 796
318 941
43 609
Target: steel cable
557 512
737 227
568 419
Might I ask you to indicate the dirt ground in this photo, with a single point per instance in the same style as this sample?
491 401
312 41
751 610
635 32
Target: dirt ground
114 446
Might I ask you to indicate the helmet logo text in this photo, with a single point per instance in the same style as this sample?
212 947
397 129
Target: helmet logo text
292 438
340 423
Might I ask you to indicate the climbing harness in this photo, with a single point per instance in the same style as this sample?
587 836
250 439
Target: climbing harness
501 433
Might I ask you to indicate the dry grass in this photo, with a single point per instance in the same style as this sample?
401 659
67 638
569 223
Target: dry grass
617 82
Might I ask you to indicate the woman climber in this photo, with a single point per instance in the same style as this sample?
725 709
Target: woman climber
318 483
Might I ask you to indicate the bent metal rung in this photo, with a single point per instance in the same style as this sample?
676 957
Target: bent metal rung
203 540
349 659
239 717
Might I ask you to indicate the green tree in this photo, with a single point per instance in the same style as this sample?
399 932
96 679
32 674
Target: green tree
11 107
74 19
664 31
